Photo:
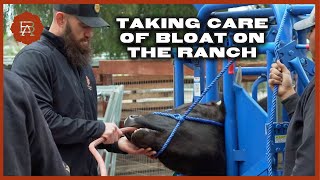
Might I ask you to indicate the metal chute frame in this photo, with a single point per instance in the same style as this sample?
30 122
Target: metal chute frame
245 130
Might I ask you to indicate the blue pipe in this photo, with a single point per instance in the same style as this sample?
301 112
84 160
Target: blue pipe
266 12
255 86
253 70
301 46
202 78
211 71
178 80
231 132
268 46
204 14
206 10
300 9
286 35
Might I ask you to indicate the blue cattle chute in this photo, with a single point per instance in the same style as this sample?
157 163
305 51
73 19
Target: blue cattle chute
246 122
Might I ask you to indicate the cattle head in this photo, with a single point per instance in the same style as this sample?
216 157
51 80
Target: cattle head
196 148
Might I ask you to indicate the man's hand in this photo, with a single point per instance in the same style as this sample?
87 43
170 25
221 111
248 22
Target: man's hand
280 75
126 146
111 133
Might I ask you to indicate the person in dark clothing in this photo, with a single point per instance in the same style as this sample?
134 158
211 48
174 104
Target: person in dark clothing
300 149
29 148
57 67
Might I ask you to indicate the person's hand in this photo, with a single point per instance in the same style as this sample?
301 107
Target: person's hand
126 146
111 133
280 75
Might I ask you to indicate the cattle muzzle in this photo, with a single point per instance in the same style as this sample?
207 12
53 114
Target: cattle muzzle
130 122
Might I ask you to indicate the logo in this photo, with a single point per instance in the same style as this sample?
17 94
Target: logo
88 83
26 28
97 8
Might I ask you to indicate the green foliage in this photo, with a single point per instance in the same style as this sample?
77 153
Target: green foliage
106 40
44 11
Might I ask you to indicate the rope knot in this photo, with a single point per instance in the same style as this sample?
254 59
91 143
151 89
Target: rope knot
178 117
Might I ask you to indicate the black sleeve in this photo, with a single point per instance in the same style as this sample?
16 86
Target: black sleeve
111 148
290 104
29 148
33 66
305 155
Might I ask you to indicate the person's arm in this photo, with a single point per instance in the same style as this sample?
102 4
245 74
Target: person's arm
290 104
33 66
305 155
111 148
45 156
124 146
24 122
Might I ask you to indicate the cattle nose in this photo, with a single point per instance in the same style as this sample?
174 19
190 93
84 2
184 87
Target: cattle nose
130 118
133 116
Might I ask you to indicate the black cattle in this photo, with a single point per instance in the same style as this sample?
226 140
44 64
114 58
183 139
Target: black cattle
196 148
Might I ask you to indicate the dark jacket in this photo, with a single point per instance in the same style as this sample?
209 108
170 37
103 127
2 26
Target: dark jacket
299 151
29 148
67 97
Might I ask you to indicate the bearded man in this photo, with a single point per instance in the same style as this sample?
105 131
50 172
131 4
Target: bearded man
57 67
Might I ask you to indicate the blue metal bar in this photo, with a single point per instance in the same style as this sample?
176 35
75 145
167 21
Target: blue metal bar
268 46
255 86
230 123
202 78
301 9
178 81
286 34
302 46
302 37
266 12
211 73
206 10
253 70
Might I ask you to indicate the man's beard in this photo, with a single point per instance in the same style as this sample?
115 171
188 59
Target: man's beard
77 55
